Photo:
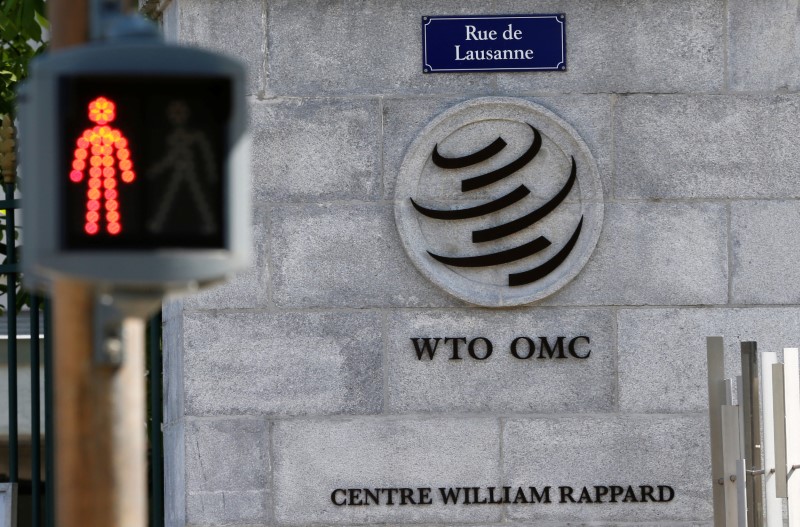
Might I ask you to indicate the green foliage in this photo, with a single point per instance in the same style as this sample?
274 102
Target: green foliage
21 38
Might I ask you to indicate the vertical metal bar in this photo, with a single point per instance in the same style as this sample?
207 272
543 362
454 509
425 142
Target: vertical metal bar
716 397
35 416
741 491
773 507
752 432
156 441
11 315
49 425
791 384
730 457
728 383
740 403
779 409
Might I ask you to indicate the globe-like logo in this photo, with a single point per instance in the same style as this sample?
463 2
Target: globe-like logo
499 202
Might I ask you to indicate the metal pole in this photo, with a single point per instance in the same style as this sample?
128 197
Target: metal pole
156 444
752 433
49 427
716 398
779 409
8 170
742 481
11 315
773 507
791 379
35 416
730 459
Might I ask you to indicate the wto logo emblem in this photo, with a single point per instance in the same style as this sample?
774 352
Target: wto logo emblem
499 202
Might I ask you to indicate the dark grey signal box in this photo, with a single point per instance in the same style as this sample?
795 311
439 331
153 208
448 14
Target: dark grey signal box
135 162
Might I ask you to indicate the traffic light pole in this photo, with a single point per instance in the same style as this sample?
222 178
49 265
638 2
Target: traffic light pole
100 416
99 407
109 234
69 23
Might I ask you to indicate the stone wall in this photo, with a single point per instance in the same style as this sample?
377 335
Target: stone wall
299 377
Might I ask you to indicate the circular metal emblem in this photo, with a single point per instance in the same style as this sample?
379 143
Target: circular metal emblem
499 202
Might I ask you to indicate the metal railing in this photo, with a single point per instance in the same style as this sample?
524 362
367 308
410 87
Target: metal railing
34 502
35 494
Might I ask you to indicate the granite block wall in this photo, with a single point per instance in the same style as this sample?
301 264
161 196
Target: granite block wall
297 387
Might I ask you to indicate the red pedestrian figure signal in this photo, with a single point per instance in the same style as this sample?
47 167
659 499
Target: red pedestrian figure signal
103 152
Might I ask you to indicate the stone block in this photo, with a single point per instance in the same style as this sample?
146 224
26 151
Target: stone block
502 383
642 46
707 146
629 46
314 458
404 119
624 450
763 45
344 255
247 288
766 247
235 28
359 47
316 150
247 507
227 454
662 352
655 253
282 363
595 523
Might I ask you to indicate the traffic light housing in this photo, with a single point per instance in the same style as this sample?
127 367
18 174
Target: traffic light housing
135 166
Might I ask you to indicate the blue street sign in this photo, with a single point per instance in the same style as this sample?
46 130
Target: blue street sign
494 43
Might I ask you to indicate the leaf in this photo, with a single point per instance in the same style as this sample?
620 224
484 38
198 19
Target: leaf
26 13
41 20
32 29
8 31
38 5
10 7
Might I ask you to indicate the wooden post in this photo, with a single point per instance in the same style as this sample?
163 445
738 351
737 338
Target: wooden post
69 22
100 416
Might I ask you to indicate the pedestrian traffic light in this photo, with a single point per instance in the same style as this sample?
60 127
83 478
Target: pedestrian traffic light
135 166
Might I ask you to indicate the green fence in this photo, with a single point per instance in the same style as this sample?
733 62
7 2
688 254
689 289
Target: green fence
27 357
